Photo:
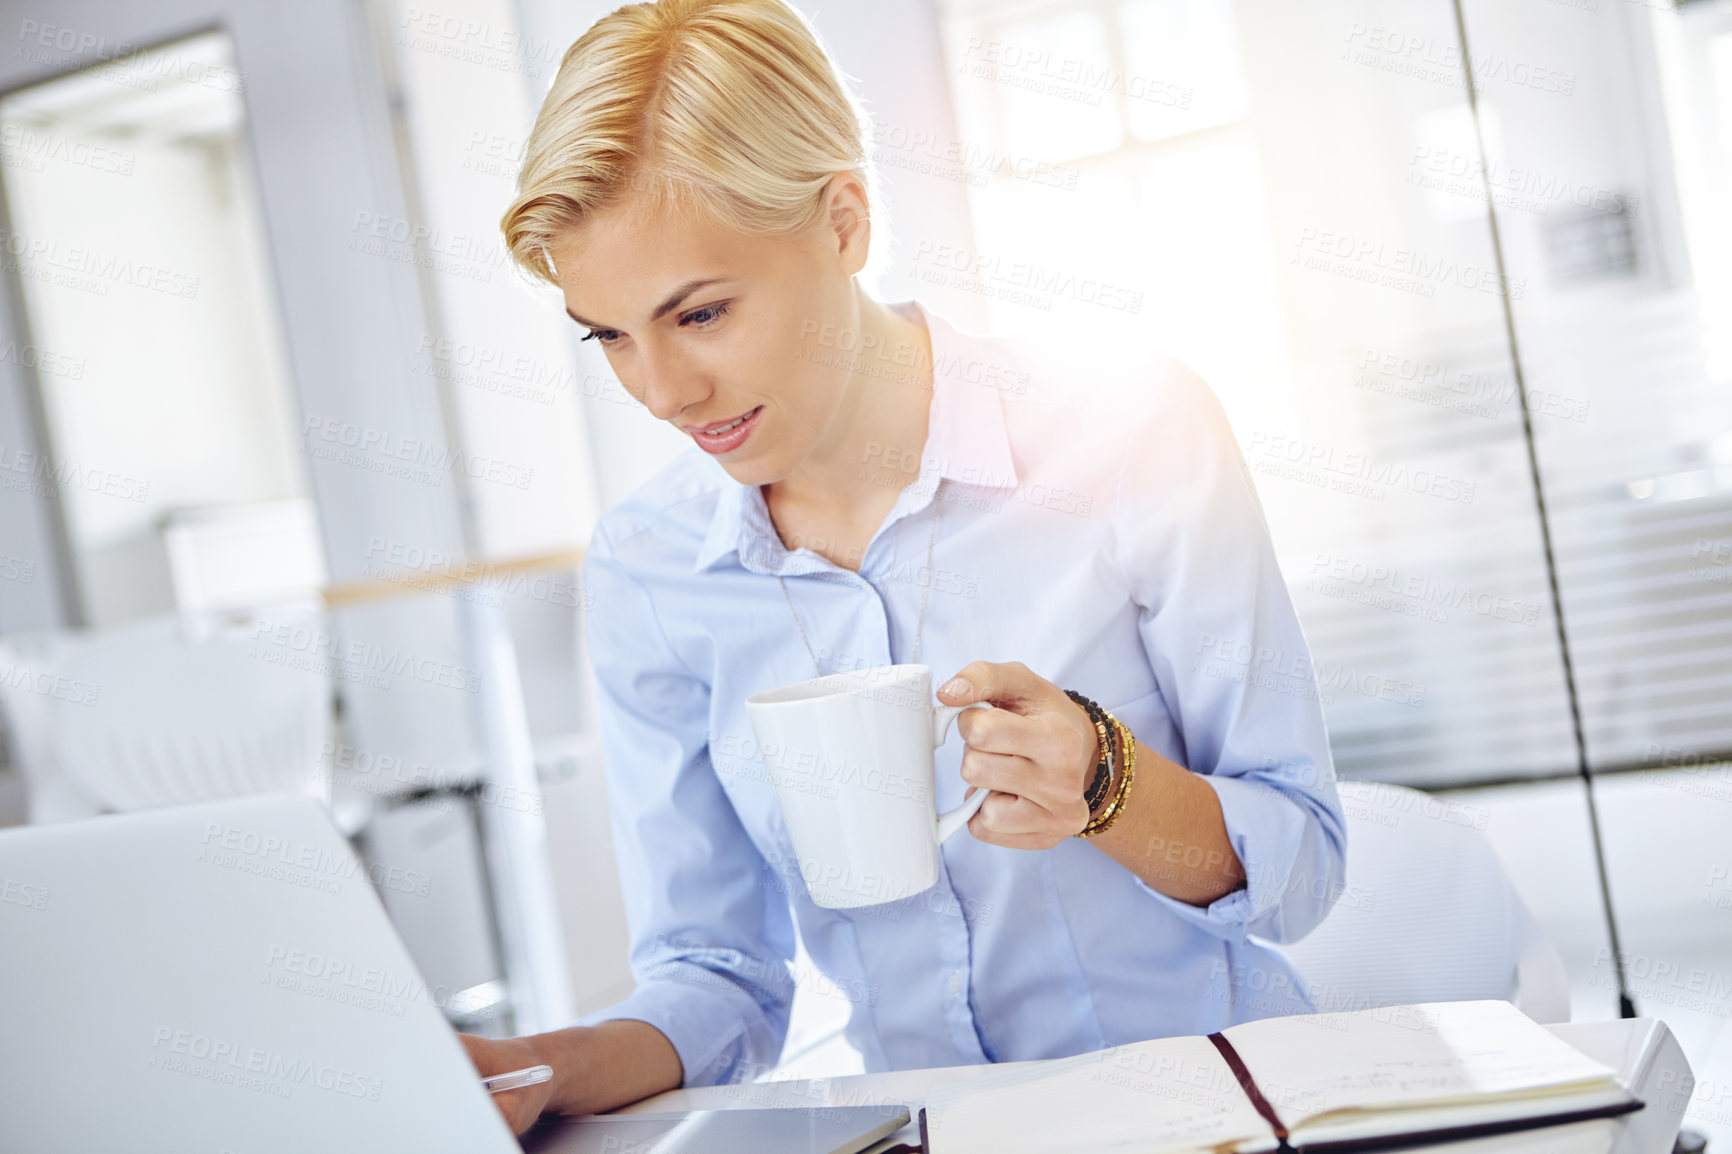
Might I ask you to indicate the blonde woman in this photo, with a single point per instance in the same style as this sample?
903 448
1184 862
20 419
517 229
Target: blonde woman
1047 524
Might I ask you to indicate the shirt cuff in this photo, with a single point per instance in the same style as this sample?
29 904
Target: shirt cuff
1265 828
705 1030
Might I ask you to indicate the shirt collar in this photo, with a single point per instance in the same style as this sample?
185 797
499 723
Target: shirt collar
966 440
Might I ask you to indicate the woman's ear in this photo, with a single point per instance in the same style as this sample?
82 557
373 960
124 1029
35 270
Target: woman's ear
849 215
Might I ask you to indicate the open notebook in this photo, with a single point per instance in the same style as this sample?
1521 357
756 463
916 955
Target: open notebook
1364 1080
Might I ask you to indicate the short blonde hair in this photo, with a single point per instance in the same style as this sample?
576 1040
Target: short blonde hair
732 103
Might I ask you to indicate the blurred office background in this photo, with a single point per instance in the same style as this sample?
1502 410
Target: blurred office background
295 472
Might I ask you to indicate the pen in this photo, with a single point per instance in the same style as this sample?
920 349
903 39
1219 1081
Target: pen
529 1076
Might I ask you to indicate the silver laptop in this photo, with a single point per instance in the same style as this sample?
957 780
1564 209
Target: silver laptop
218 977
222 978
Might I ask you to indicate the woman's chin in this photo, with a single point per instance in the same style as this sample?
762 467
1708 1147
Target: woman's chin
753 471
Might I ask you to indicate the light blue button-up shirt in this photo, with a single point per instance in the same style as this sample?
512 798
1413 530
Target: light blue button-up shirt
1096 523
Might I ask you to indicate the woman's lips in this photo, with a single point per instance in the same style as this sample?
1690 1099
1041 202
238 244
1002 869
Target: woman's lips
732 439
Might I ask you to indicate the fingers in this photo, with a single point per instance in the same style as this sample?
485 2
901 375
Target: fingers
1004 772
1032 717
998 730
520 1108
1016 823
1004 683
1035 751
1033 777
1023 811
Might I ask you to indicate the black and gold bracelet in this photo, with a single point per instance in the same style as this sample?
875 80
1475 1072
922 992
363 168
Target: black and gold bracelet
1100 787
1116 806
1098 784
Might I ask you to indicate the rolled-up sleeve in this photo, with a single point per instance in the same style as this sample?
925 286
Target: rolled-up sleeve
712 937
1230 659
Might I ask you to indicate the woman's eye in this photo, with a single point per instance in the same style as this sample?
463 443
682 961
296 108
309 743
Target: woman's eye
706 316
703 318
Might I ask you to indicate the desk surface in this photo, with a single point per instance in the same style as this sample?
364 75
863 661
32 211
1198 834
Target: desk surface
1642 1050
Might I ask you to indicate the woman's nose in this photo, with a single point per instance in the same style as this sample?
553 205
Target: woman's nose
669 388
666 403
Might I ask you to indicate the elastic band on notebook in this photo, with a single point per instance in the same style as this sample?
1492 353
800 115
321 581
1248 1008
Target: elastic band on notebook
1250 1087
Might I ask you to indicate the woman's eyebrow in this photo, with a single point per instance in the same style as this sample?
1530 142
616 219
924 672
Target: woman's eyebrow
666 307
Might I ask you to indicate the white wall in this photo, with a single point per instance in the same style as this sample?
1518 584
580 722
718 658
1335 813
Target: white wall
144 279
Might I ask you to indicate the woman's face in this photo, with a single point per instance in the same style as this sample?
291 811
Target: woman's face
704 324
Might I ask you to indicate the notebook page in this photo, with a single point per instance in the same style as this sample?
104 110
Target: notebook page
1396 1057
1575 1138
1154 1097
1353 1125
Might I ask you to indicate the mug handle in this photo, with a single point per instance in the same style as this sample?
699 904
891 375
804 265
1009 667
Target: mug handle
949 823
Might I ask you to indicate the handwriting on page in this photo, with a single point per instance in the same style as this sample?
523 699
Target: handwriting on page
1308 1067
1398 1078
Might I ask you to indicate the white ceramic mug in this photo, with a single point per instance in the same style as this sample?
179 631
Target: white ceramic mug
851 757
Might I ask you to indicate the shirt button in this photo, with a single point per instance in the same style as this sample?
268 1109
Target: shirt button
955 981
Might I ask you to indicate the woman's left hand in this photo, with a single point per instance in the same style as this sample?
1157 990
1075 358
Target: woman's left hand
1036 751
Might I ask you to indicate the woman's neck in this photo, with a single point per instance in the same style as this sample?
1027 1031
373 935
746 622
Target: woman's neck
879 431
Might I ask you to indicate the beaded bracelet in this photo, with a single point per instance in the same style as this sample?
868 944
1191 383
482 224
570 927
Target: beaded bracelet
1099 787
1104 721
1102 786
1117 805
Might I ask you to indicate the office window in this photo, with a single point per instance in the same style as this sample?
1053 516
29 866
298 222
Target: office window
1290 198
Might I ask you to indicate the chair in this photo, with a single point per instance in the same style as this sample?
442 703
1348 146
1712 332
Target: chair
159 712
1426 914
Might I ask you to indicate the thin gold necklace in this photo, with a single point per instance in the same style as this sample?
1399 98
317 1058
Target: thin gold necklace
926 584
